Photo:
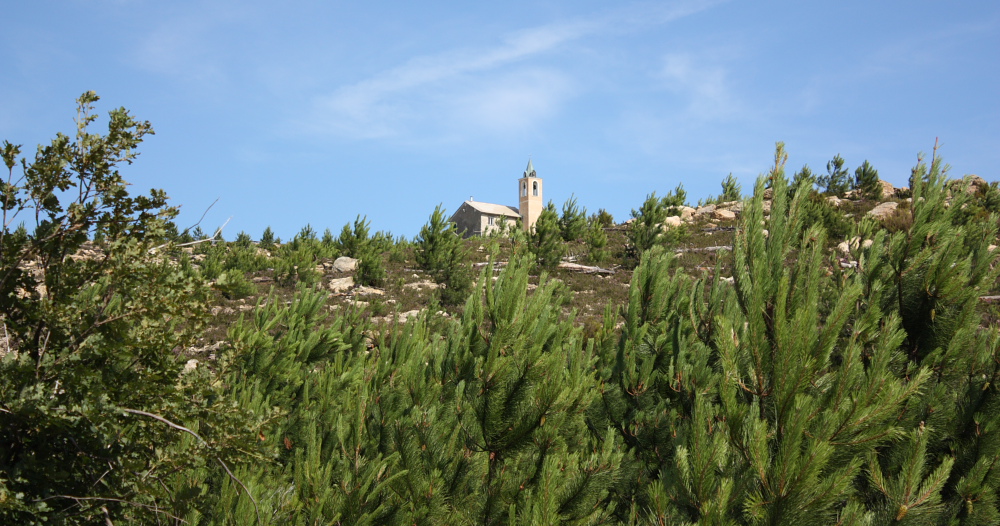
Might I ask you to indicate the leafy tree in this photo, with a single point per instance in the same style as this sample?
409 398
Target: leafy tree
836 181
866 182
573 222
98 418
441 253
545 240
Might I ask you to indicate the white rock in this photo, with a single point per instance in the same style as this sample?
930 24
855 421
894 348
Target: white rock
704 210
723 215
191 365
341 284
672 222
345 264
686 212
883 210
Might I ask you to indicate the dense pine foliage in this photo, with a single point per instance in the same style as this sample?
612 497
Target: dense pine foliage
780 387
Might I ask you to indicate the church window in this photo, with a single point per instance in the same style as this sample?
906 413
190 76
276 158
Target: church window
534 187
524 189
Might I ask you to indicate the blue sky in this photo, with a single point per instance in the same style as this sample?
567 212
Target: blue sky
314 112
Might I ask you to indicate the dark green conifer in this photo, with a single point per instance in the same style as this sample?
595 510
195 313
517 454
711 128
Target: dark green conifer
441 253
545 240
573 222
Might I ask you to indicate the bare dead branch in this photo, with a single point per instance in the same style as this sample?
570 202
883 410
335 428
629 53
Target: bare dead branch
202 440
203 214
155 509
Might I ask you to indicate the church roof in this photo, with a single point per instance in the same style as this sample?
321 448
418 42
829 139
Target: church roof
493 209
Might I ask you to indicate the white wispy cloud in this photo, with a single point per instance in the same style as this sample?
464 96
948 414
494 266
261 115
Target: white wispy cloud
490 89
703 85
381 106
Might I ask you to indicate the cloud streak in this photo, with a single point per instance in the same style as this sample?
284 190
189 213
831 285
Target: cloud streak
474 89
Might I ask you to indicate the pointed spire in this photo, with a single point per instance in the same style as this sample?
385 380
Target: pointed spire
530 170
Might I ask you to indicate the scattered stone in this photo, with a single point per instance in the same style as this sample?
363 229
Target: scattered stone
191 365
704 210
368 291
883 210
345 264
834 200
671 222
341 284
576 267
403 317
217 310
686 212
262 279
887 189
723 215
846 247
422 285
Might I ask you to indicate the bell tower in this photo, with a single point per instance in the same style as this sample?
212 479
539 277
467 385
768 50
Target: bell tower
530 204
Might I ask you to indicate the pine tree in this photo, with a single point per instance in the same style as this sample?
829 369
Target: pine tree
930 276
803 178
866 182
731 190
836 181
646 230
597 242
573 222
545 240
441 253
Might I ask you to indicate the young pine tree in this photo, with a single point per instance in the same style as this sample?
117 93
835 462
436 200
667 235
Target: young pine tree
545 240
836 181
573 222
866 182
597 243
646 229
441 253
731 190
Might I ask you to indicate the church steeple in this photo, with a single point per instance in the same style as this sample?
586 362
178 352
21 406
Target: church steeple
529 191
